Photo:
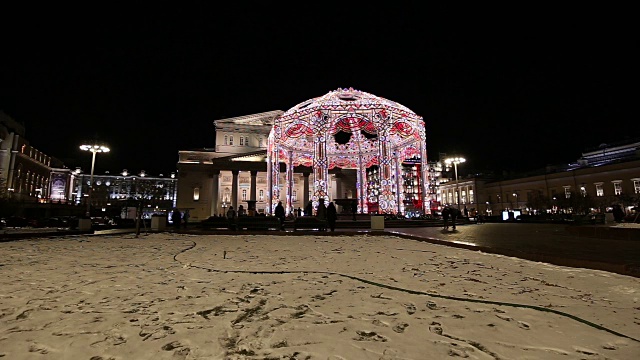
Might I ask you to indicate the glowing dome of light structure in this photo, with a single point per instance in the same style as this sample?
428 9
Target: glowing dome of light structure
348 129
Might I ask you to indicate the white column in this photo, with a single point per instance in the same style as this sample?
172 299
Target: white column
215 183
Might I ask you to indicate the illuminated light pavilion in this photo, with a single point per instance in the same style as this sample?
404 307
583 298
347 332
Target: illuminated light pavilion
373 132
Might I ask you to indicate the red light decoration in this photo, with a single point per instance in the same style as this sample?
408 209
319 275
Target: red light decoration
383 133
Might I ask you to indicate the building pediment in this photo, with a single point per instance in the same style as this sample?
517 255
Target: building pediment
259 119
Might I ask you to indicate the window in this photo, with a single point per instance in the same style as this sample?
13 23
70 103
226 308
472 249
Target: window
260 142
294 196
471 196
617 188
244 194
583 190
241 141
246 140
567 192
196 194
231 140
599 190
226 140
636 186
261 195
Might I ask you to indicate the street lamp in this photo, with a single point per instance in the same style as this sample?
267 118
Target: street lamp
455 161
515 195
94 148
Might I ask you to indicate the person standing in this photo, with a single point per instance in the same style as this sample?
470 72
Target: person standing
241 211
308 210
332 216
231 218
231 213
618 213
446 212
176 216
455 213
280 214
321 213
185 218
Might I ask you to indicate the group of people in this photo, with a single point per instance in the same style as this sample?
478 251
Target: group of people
231 212
324 212
180 219
450 212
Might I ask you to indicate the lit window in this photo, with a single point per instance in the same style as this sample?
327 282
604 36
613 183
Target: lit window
261 195
636 186
599 190
471 196
617 188
583 191
226 140
196 194
294 196
244 193
567 192
231 140
241 141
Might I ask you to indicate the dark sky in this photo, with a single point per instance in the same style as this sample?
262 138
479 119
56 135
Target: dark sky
508 89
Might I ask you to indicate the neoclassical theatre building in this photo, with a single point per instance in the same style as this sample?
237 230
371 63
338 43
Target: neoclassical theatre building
345 146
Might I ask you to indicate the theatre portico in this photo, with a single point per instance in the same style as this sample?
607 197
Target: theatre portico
297 156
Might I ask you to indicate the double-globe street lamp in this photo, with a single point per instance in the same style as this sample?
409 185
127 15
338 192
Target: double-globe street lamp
455 161
94 148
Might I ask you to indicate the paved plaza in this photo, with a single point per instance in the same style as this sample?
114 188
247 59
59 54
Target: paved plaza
558 244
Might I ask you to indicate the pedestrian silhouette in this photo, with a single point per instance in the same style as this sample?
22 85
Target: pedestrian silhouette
185 218
446 212
280 214
231 213
321 213
332 216
455 213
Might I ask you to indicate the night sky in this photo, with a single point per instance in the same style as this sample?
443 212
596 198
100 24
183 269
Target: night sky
506 88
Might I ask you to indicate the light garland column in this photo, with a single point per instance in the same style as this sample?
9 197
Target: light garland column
289 182
386 202
320 159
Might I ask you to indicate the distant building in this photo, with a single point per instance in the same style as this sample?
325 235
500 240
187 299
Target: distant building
29 176
114 193
608 175
211 180
25 172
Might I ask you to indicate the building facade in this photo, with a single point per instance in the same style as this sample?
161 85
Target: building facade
25 172
115 195
606 176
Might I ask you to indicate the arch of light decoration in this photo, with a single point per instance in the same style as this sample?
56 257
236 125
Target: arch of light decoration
305 135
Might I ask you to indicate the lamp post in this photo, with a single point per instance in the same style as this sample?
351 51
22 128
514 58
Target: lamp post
455 161
94 148
515 195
